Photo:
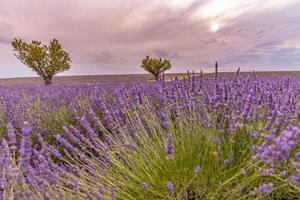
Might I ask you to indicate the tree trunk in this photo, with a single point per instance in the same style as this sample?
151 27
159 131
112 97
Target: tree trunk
156 77
48 80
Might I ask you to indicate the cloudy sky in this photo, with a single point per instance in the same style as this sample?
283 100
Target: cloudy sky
111 37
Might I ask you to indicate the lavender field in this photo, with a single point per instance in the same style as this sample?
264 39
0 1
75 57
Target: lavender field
149 100
202 137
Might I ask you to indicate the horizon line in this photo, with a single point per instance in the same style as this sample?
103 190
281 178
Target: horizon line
125 74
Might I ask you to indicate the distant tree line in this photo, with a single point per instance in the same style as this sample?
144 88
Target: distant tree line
48 60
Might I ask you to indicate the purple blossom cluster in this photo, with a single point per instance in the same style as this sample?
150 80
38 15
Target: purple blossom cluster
263 189
276 149
281 153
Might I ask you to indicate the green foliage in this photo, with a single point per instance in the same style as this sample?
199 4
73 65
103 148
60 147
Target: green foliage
155 66
226 168
45 60
194 146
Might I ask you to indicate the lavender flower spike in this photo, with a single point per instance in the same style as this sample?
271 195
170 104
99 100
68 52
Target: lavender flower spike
170 147
170 187
264 188
145 186
197 169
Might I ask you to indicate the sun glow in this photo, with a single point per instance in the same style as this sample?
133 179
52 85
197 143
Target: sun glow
218 12
224 11
215 27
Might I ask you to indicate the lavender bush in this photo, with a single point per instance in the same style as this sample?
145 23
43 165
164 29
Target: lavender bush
197 138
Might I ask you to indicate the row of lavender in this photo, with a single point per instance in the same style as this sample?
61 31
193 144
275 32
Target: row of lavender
194 138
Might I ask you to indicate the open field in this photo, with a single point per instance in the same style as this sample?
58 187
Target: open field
222 136
131 77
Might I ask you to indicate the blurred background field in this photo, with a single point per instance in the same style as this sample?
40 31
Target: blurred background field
90 79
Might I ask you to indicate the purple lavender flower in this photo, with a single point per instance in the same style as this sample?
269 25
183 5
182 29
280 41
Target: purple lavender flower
277 149
170 187
239 188
197 169
283 173
88 127
11 134
297 156
264 188
76 186
26 146
226 162
112 193
265 172
254 135
170 147
99 194
294 178
73 138
145 186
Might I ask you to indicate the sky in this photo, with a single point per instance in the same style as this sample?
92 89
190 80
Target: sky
112 37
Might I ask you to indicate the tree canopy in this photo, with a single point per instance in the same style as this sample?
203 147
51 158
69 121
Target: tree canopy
45 60
156 66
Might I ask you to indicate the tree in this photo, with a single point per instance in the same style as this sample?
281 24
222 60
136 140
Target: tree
155 66
45 60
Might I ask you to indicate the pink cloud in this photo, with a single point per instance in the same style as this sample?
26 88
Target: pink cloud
113 36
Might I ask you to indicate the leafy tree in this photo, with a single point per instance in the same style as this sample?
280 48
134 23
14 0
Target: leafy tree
155 66
45 60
